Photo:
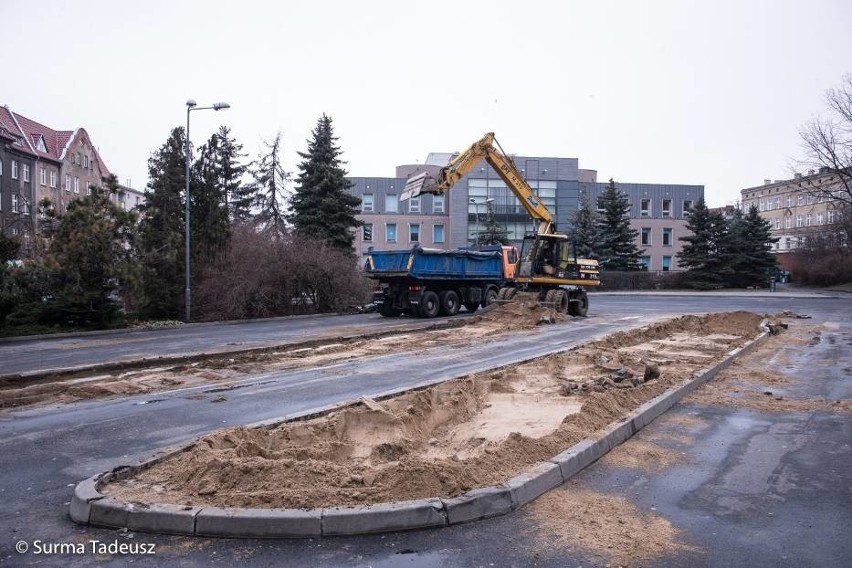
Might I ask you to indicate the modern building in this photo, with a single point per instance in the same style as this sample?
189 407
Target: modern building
798 208
659 211
38 163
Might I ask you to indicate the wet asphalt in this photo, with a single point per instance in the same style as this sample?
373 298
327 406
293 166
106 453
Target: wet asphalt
760 489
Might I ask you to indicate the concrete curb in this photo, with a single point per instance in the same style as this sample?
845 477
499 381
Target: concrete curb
89 506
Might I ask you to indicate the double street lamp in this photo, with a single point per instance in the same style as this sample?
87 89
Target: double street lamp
191 105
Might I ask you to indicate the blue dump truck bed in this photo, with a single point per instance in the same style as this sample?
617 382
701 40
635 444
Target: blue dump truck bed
432 264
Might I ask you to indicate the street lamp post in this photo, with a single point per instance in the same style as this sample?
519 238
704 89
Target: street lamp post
476 213
190 106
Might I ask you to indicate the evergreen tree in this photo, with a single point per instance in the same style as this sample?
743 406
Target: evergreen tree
208 210
269 186
617 239
240 198
494 233
750 258
703 252
91 260
162 229
586 239
321 206
9 292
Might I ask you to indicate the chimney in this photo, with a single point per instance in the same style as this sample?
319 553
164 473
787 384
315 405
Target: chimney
810 172
797 175
767 181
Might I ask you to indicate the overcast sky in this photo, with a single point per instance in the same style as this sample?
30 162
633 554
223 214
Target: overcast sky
693 92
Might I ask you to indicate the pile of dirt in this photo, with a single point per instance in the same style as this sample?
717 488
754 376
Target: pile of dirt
612 528
524 311
472 432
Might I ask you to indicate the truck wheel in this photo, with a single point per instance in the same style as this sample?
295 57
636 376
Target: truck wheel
471 306
429 304
558 299
506 294
490 297
580 307
389 312
449 302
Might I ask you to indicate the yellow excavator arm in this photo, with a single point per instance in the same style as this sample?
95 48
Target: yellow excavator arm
489 149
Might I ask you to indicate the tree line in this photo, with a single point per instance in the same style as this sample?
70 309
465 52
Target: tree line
263 242
718 252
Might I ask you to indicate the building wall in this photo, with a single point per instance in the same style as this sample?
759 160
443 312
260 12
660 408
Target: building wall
81 166
16 193
557 181
793 209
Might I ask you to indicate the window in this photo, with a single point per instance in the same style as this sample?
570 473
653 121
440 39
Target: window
810 199
1 167
820 219
687 208
789 200
438 234
808 220
667 237
390 232
15 203
40 146
438 205
800 199
788 221
831 217
14 169
777 222
76 184
367 232
414 205
43 176
667 263
414 232
85 161
788 243
26 172
645 261
777 202
52 179
646 235
645 208
367 203
667 207
391 203
67 183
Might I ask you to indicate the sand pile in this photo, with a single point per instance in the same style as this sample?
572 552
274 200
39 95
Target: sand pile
444 441
523 311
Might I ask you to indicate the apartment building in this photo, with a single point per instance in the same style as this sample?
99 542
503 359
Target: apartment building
659 211
797 208
57 165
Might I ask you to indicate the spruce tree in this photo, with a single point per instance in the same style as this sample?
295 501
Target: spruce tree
321 206
208 210
269 187
617 239
494 233
91 260
754 262
586 239
240 198
704 249
162 229
9 291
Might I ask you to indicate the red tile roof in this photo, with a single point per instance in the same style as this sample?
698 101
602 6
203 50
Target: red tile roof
56 141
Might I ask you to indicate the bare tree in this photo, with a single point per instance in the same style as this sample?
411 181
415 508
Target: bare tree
827 144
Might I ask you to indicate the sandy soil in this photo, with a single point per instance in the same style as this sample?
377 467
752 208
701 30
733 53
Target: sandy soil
223 371
443 441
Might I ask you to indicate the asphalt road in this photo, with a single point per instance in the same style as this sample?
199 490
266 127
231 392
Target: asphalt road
747 465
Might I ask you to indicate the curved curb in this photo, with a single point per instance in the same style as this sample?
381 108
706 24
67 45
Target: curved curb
89 506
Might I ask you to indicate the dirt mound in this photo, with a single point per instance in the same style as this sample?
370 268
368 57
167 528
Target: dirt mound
523 311
443 441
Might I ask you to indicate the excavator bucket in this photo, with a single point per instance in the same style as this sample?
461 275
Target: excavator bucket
417 185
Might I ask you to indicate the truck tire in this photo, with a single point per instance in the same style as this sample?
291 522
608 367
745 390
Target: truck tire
450 302
506 294
580 307
430 304
389 312
471 306
558 299
490 297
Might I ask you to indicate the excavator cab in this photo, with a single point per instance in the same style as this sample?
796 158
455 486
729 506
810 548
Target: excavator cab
547 256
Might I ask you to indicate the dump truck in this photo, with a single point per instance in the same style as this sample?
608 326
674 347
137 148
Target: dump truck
548 265
427 282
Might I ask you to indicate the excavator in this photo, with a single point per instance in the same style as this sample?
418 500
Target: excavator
548 264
